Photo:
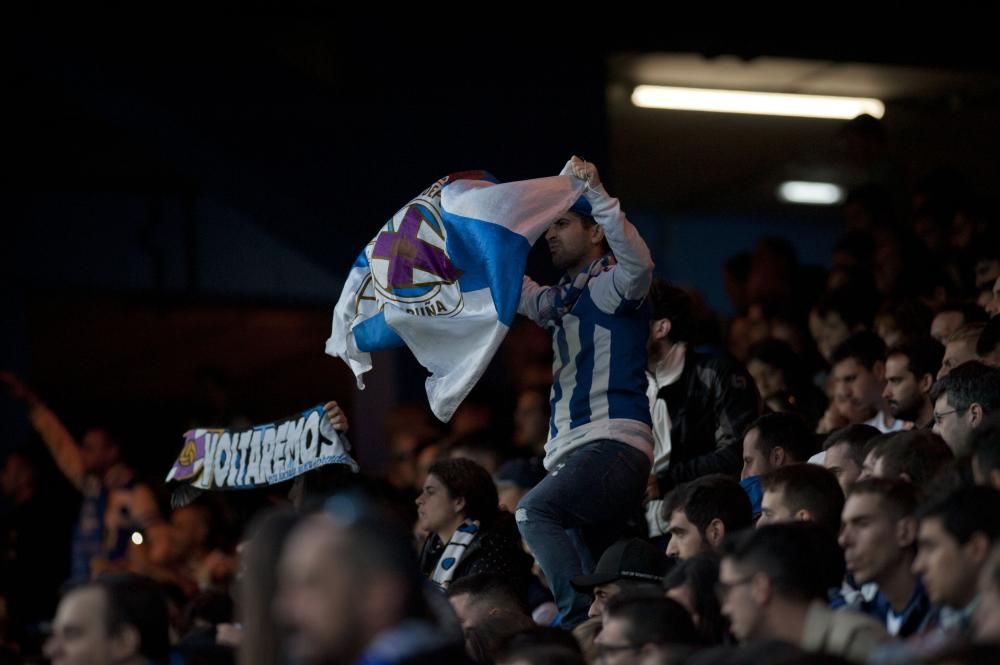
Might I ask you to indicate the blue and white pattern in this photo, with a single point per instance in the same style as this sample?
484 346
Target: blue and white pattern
443 277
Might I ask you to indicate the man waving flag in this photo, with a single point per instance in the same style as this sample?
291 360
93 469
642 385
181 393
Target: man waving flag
443 277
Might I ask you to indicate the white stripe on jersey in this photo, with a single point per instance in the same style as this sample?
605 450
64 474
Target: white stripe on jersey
599 409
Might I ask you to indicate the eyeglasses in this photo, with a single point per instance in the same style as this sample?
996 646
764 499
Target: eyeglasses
938 417
722 589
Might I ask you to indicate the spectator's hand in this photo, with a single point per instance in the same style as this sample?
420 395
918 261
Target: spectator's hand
585 170
336 416
16 388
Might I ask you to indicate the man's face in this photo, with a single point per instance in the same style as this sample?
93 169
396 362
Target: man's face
685 539
945 323
828 331
952 425
317 594
773 509
569 242
868 536
861 386
612 645
902 390
955 353
755 463
79 633
602 594
838 461
738 604
769 379
949 577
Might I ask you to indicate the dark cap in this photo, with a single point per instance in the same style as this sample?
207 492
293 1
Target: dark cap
632 559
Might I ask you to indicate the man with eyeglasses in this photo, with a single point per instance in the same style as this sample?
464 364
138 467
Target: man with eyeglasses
773 585
644 627
962 400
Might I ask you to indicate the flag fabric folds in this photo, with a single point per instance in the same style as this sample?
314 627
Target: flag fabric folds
443 278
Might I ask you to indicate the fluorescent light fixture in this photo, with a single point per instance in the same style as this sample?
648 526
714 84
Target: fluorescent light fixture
810 193
763 103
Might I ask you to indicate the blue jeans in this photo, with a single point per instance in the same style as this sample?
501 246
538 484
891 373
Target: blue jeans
577 511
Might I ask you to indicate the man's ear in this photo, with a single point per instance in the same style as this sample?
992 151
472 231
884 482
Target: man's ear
596 234
124 645
925 383
715 533
659 329
976 414
778 456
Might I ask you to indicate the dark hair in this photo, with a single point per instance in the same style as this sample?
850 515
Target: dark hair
542 644
802 559
138 602
989 339
866 347
896 497
708 498
970 383
923 356
494 589
784 430
986 444
670 302
855 436
971 313
700 573
854 305
967 511
920 454
911 318
809 487
877 443
652 619
465 479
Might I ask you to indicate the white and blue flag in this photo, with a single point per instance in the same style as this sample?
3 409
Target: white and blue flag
443 277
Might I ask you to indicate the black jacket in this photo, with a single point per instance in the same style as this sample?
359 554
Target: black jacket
495 550
710 406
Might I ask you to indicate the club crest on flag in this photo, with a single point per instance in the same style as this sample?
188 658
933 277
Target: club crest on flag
410 265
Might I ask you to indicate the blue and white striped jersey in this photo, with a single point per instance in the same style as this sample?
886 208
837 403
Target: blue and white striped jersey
599 344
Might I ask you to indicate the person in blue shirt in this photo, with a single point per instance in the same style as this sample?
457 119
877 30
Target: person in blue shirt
600 443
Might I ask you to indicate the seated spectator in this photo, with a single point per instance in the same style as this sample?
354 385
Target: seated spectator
627 565
844 450
961 402
859 375
910 369
115 620
960 347
802 493
916 457
774 583
469 534
643 628
692 583
953 316
703 512
476 597
879 538
774 440
782 383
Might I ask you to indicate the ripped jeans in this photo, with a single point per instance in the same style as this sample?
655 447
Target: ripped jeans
577 511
